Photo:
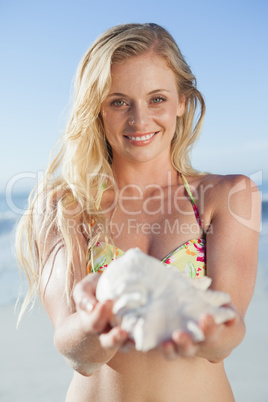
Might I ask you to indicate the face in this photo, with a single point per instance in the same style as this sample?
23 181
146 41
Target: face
141 109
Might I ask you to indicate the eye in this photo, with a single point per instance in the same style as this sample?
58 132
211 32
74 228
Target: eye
159 99
118 103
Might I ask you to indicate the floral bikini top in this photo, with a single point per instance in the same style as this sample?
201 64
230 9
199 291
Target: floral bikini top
190 257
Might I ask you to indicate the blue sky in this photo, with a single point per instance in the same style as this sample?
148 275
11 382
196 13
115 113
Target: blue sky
225 43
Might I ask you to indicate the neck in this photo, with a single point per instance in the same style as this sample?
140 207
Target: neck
143 174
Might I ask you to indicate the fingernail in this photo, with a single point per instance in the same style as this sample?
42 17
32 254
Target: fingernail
178 336
89 307
85 304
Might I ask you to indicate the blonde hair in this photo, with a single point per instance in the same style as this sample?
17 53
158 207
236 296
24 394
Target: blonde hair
85 156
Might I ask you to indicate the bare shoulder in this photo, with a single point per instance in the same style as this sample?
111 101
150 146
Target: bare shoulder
224 184
57 220
235 196
228 185
45 204
48 200
52 205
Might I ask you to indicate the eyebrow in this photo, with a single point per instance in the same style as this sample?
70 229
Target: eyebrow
155 91
158 90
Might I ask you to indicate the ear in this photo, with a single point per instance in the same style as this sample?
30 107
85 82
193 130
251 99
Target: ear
181 106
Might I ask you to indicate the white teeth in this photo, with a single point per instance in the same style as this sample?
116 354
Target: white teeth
143 138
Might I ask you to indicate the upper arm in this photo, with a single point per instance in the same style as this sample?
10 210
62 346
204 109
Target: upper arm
53 265
232 241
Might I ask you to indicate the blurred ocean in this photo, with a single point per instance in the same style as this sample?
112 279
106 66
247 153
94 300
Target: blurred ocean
10 211
11 208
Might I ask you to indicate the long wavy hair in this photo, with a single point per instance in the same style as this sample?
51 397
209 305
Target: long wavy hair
77 176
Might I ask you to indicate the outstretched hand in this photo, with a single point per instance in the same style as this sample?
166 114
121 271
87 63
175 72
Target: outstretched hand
96 316
183 345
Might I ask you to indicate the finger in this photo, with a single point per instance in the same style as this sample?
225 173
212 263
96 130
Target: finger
100 317
208 326
84 293
207 322
168 350
86 304
113 339
127 346
231 322
89 282
185 346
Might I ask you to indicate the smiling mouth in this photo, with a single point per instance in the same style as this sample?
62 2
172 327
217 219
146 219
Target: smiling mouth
142 137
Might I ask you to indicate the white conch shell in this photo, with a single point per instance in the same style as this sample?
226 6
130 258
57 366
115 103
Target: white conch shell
153 300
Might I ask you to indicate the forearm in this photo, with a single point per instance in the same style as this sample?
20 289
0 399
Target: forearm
81 349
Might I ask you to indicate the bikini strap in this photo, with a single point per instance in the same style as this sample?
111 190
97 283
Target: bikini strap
196 212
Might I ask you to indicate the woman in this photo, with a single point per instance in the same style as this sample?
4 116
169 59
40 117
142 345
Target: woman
126 181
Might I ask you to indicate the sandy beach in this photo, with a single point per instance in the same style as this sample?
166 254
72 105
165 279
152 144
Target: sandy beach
32 370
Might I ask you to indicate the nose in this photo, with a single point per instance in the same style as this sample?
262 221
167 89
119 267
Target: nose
139 117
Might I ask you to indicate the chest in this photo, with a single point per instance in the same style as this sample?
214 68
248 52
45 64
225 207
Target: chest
156 224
